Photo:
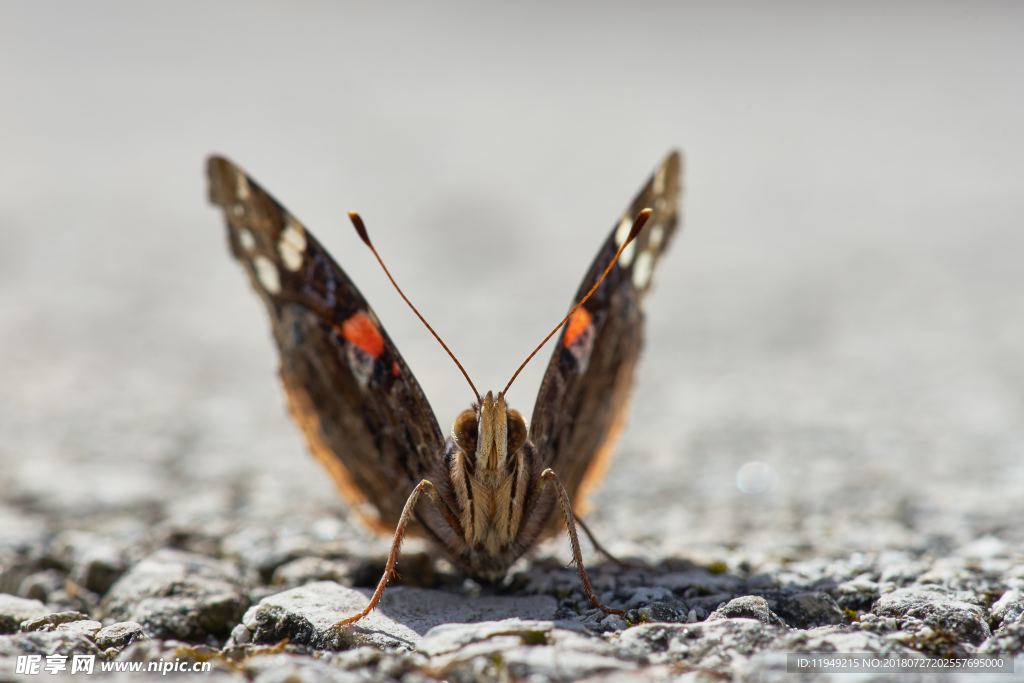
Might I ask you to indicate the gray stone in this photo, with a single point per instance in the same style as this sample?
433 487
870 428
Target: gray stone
306 615
806 609
95 562
86 627
899 569
240 635
705 605
520 647
73 598
41 585
14 610
1008 608
558 661
376 664
876 624
308 569
749 607
676 611
174 594
120 634
49 622
1008 639
47 642
98 568
857 594
446 639
840 639
935 609
43 643
266 547
713 645
69 622
613 622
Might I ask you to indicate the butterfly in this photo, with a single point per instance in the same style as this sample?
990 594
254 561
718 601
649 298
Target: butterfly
494 487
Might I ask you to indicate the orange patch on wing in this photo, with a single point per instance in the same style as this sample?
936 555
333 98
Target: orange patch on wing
578 323
395 370
361 331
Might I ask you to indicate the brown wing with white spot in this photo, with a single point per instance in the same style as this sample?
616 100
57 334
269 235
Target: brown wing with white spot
581 405
359 406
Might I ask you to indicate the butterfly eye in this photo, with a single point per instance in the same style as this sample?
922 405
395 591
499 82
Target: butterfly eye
516 426
464 431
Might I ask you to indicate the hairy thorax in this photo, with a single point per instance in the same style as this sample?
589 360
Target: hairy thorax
488 475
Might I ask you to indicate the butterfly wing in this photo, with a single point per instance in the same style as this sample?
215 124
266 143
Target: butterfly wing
359 406
581 405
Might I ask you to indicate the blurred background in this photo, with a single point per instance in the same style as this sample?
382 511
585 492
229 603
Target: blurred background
833 360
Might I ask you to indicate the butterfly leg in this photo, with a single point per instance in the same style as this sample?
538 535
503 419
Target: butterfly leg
548 476
408 512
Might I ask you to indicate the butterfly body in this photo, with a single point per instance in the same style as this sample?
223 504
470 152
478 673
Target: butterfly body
492 472
495 485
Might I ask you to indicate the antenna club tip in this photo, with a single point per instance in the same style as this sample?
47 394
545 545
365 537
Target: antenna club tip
638 223
357 223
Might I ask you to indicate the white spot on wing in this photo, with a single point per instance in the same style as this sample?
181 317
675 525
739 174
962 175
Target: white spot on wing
655 236
292 245
627 255
242 190
643 269
266 273
659 179
622 232
361 364
246 239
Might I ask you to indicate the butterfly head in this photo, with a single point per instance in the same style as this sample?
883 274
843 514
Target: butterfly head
490 432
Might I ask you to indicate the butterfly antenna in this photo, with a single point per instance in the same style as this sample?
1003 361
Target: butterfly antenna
638 225
360 227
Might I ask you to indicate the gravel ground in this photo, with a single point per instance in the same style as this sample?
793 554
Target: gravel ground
826 449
